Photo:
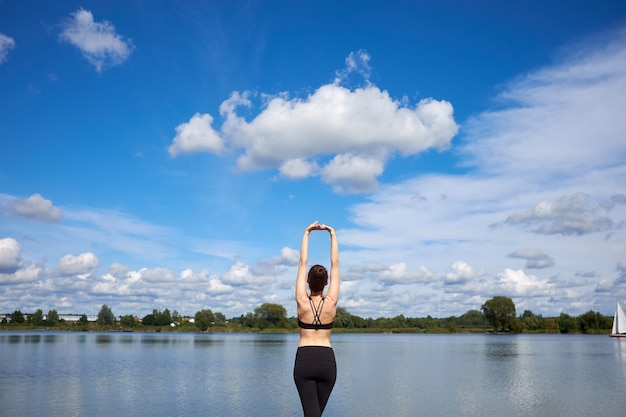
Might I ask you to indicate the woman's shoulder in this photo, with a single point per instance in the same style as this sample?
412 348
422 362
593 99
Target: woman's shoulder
330 300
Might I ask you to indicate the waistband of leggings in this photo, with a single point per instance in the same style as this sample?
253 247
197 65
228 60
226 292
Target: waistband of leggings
315 352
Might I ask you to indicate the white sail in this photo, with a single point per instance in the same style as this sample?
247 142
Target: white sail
619 321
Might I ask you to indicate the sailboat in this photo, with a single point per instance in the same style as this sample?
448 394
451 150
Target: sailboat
619 322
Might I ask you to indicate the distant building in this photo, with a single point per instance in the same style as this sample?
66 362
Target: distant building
73 318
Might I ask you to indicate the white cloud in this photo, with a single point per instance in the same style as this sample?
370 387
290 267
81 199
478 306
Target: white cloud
78 265
392 274
356 63
6 43
242 274
290 256
615 285
571 112
356 129
516 283
536 259
399 273
568 215
157 275
25 274
197 135
358 173
118 270
9 255
550 162
461 272
208 284
35 207
98 41
298 168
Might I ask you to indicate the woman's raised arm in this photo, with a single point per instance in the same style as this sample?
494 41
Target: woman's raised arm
304 258
333 287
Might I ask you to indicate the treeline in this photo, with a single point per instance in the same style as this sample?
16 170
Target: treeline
496 315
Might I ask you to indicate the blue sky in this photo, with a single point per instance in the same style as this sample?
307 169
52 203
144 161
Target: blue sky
162 154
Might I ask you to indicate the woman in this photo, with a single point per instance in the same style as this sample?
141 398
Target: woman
315 370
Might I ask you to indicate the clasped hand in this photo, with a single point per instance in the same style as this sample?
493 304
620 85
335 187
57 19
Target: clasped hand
316 226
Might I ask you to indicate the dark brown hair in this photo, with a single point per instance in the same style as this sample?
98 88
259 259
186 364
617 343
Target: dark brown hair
318 278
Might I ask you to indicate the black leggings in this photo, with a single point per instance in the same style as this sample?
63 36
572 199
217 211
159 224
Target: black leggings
314 373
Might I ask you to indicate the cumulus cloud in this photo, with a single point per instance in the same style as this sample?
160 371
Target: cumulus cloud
461 272
197 135
536 259
298 168
548 160
118 270
392 274
6 43
157 275
287 257
28 274
9 255
242 274
344 135
574 214
208 284
98 41
518 283
35 207
353 173
78 265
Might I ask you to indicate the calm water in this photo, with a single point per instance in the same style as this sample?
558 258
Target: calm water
161 374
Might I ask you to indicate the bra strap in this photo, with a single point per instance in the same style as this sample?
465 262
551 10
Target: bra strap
317 311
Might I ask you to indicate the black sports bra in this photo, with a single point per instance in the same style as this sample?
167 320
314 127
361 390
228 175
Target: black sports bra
317 323
327 326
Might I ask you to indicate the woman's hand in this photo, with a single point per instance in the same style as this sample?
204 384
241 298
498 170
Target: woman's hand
316 226
313 226
326 227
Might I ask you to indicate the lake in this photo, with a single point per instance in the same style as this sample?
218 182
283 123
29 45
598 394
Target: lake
185 374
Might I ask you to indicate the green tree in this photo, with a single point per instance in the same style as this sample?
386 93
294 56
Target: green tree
37 318
248 320
500 313
472 318
204 319
17 317
593 322
220 318
105 316
567 323
343 318
176 317
128 321
398 322
164 318
83 319
52 319
532 322
157 318
149 320
273 315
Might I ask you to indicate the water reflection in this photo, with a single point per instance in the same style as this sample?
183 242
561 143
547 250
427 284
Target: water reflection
203 342
103 338
12 338
501 349
32 338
